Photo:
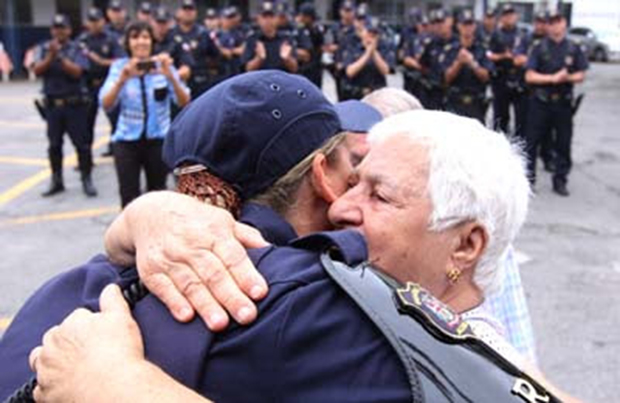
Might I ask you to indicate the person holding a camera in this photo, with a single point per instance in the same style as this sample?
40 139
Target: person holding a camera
143 86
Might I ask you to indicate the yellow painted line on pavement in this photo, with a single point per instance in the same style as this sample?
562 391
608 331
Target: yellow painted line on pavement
66 215
4 323
24 161
40 176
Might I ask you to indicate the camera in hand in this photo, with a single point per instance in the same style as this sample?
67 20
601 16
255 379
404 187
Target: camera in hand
145 65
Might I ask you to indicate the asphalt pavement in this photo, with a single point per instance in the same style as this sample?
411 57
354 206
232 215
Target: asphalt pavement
569 249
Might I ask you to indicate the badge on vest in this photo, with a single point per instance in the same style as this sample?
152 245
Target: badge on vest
415 300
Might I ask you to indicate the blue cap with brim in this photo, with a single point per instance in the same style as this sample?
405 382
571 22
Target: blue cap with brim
356 116
253 128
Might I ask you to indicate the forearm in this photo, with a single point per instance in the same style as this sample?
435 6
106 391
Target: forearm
412 63
185 72
41 67
452 72
380 62
182 96
70 68
535 78
254 64
577 77
481 73
304 55
354 68
290 64
109 99
520 60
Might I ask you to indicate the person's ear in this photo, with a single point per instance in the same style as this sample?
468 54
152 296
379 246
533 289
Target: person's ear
320 180
470 243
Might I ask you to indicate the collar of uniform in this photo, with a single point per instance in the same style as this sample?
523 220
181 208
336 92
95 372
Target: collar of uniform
349 245
272 226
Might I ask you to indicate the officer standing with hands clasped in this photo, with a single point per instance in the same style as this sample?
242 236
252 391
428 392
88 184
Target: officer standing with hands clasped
268 48
101 48
554 65
62 64
466 71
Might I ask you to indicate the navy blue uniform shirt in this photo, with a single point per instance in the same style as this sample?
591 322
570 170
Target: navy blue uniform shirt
311 342
549 57
105 45
272 48
504 40
369 77
57 83
175 50
466 80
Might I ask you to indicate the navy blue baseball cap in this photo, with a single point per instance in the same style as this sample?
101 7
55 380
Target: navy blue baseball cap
253 128
94 14
116 5
60 21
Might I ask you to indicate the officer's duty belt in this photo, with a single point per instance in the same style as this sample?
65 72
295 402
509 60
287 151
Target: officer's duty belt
59 102
546 96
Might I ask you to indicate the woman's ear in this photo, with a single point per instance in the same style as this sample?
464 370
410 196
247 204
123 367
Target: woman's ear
320 180
471 242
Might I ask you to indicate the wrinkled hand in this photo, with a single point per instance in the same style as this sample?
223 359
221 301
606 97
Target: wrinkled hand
87 350
260 50
191 256
285 50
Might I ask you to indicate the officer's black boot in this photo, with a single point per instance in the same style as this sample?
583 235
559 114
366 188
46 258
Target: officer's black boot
88 187
57 185
559 187
85 162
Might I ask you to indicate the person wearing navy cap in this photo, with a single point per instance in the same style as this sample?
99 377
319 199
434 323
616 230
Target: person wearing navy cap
508 82
117 17
195 39
296 34
229 39
412 48
309 26
553 67
145 12
63 66
165 43
102 48
485 30
211 20
466 71
280 120
339 34
367 61
267 48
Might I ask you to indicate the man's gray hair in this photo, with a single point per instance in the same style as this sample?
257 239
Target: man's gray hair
474 174
391 101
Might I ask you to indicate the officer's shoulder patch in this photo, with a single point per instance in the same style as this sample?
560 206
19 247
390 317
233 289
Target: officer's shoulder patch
415 301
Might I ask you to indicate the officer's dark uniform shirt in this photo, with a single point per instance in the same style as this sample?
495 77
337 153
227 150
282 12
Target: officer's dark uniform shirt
369 77
466 81
104 45
203 51
310 343
117 33
483 35
501 41
549 57
272 49
231 39
313 68
431 58
57 83
175 50
529 41
342 35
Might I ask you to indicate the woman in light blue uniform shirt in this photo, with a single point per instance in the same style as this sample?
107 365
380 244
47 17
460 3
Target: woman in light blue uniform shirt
144 86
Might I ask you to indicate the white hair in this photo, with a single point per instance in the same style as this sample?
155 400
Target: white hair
474 174
391 101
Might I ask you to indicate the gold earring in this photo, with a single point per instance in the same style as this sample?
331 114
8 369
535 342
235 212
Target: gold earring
453 275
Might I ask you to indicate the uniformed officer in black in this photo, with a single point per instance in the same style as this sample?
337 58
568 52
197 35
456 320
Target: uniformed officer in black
307 23
267 48
165 43
367 61
62 65
212 20
338 37
466 70
484 31
117 17
299 35
432 56
508 80
145 12
230 39
521 53
101 48
195 39
553 67
413 47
